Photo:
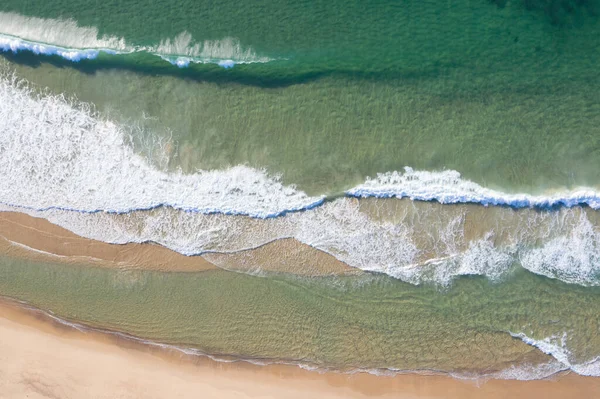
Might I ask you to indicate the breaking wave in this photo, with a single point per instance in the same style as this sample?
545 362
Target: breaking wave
66 39
56 155
447 187
61 161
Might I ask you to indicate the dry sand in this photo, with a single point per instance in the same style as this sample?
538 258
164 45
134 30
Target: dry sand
40 358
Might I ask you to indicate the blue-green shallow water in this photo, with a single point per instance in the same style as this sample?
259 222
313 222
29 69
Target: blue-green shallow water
346 323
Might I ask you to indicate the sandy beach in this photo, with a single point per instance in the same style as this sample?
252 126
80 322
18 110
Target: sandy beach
37 239
40 358
34 238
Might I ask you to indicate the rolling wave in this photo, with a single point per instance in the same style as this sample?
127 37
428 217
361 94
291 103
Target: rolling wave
57 154
447 187
66 39
61 161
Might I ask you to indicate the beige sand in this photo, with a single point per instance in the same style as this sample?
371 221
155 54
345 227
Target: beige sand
34 238
40 358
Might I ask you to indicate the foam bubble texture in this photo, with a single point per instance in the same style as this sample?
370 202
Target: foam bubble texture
447 187
557 348
341 229
56 155
573 257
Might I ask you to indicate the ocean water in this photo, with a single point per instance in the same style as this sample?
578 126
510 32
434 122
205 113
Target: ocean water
527 327
449 150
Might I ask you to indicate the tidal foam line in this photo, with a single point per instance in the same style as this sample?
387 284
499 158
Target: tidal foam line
521 372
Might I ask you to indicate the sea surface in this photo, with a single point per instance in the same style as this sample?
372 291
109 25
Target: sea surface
450 150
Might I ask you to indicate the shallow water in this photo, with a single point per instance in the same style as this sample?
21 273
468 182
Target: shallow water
370 322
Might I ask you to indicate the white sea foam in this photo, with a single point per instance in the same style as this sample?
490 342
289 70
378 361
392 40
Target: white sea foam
62 162
226 52
448 187
64 33
529 372
55 155
557 348
481 258
573 257
65 38
339 228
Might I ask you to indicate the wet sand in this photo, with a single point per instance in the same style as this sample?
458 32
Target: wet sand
41 358
34 238
286 255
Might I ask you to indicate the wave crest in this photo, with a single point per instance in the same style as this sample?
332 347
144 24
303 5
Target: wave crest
66 39
55 155
448 187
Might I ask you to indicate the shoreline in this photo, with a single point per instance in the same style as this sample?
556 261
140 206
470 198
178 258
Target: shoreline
35 238
44 357
28 237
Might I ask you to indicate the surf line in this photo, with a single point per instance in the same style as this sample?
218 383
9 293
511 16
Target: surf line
15 44
521 201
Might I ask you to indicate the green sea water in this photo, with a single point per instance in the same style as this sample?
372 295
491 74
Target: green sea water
371 322
504 92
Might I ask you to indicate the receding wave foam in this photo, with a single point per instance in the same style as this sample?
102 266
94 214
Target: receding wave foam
557 348
65 38
523 372
411 249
